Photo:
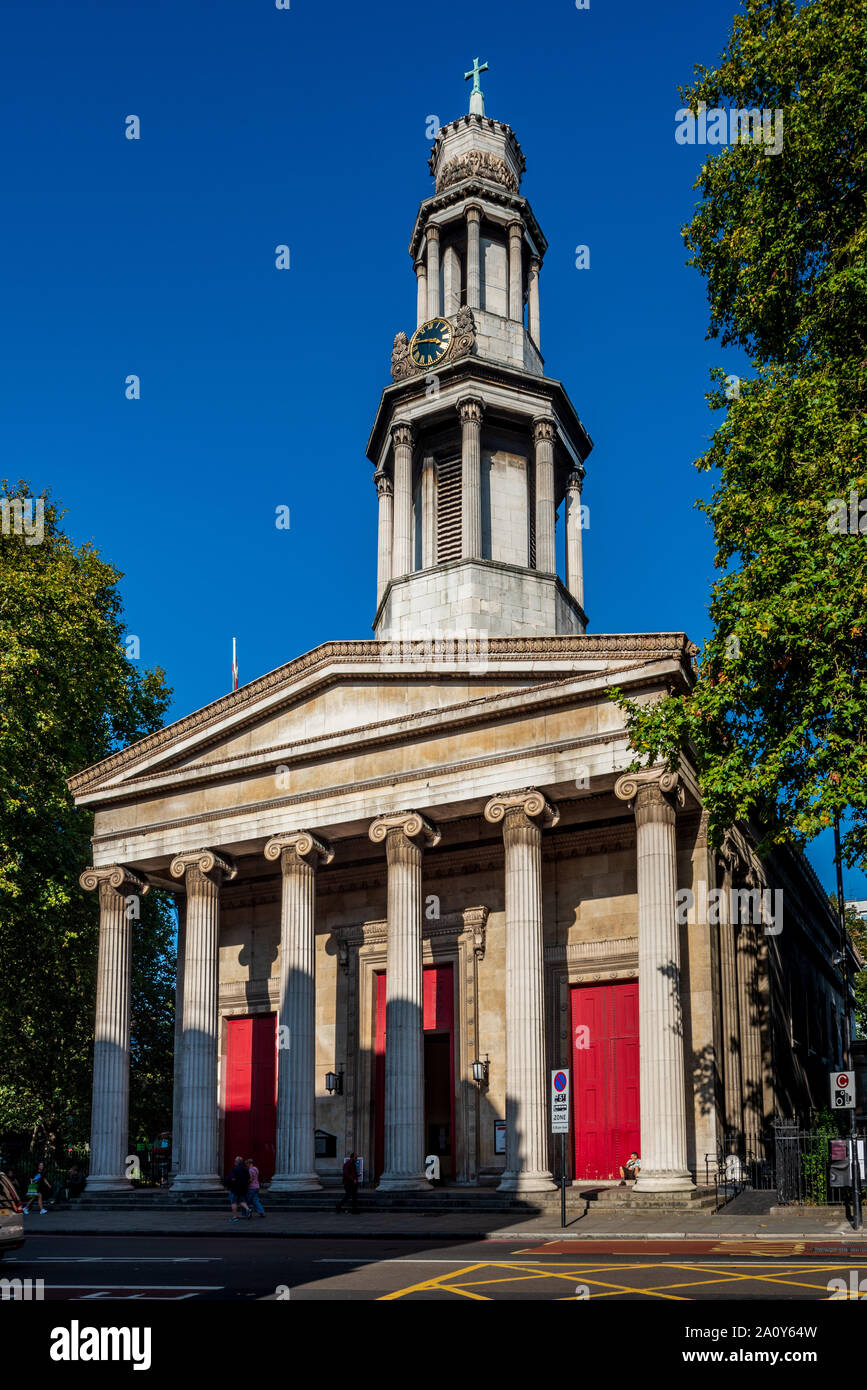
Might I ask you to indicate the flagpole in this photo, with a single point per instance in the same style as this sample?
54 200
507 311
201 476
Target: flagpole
234 664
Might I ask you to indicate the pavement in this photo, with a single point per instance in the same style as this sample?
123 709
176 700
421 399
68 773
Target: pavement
825 1226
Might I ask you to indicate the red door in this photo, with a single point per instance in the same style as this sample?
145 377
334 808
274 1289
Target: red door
605 1072
439 1064
251 1092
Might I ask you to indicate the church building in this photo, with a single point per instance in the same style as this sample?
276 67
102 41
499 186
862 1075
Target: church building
414 873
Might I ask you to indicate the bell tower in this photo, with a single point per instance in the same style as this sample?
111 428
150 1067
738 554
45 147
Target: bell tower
475 448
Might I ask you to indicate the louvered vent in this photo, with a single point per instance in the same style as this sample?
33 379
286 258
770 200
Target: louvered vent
448 510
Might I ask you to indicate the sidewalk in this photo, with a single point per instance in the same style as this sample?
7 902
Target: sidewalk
826 1227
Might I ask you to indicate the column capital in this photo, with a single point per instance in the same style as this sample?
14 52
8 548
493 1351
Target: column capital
576 478
115 876
655 793
383 483
473 212
420 266
516 229
402 433
432 232
544 429
535 261
305 844
471 409
207 861
529 800
412 823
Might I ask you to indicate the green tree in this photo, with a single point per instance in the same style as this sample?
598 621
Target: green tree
68 697
777 719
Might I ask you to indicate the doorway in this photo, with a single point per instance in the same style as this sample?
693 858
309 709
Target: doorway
605 1070
251 1092
439 1069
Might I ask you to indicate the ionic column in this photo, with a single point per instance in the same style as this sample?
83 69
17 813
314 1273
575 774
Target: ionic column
109 1116
299 853
516 272
421 292
428 512
574 559
404 833
533 288
432 240
474 277
471 412
731 1028
203 872
751 1036
401 555
544 434
385 493
451 282
177 1069
523 813
660 1020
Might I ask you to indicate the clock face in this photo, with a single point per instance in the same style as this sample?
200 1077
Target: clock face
431 342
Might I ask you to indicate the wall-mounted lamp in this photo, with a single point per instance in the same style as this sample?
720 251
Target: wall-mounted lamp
480 1071
334 1083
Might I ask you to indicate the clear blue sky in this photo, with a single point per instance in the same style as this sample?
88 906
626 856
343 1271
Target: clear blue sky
306 127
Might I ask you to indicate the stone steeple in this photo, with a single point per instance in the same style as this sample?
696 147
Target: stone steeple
474 446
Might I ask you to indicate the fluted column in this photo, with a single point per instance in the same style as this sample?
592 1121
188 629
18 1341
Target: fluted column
516 287
421 292
732 1080
474 278
522 814
178 1067
299 853
533 296
544 434
751 1037
660 1018
428 512
109 1116
404 833
203 872
401 555
432 238
574 558
471 412
385 493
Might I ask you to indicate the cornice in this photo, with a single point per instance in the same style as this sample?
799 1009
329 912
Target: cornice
637 646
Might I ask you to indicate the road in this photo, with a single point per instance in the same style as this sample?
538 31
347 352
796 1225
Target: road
238 1266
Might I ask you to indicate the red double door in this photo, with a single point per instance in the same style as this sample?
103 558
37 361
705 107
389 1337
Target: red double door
251 1092
439 1068
605 1077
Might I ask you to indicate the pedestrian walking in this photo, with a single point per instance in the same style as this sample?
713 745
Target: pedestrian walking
253 1200
239 1182
43 1191
350 1185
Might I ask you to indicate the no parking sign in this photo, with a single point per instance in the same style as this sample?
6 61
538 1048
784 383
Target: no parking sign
560 1101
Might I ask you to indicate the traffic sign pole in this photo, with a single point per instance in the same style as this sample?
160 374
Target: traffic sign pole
560 1125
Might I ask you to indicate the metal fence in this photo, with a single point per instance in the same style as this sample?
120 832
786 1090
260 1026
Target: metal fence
146 1166
802 1167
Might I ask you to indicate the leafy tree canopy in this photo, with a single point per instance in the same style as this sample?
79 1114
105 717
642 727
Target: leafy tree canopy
777 719
68 697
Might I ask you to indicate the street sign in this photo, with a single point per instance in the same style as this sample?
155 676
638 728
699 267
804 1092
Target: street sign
842 1090
560 1101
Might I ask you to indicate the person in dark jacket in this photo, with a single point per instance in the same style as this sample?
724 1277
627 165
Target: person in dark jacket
239 1181
350 1184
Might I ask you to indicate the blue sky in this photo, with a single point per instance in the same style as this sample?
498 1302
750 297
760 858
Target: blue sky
306 127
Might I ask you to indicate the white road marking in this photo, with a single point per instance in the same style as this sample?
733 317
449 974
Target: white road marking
118 1259
196 1288
401 1260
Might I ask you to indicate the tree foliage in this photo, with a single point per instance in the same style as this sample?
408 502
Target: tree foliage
68 697
777 719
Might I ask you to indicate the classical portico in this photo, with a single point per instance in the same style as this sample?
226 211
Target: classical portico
420 866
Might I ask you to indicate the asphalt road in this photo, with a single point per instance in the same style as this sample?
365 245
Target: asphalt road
228 1266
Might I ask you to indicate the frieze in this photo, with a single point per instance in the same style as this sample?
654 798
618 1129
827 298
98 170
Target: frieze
477 164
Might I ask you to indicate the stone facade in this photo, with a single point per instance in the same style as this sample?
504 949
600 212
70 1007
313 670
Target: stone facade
454 793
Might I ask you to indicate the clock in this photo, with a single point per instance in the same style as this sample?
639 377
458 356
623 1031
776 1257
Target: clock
431 342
